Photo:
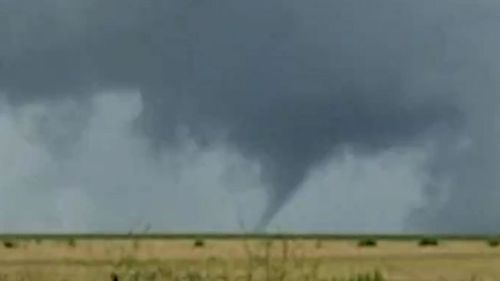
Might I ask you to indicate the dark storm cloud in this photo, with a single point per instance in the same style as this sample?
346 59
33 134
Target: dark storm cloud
285 83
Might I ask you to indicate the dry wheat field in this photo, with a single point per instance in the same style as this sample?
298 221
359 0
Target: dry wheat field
247 259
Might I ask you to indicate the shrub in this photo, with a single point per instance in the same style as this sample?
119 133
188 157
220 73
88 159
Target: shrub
199 243
367 243
136 244
9 244
428 242
71 242
319 244
493 243
375 276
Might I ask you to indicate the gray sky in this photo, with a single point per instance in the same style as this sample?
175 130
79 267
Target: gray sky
295 115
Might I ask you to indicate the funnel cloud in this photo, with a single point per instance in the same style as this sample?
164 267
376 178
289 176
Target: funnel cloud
285 85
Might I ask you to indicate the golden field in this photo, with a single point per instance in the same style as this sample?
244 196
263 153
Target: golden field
245 260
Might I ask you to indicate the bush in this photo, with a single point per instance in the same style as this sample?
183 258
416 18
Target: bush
375 276
199 243
136 244
367 243
319 244
71 242
493 243
9 244
428 242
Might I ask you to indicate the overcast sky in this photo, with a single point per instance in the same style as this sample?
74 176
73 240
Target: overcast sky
235 115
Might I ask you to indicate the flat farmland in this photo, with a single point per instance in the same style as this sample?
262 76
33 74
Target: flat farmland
245 259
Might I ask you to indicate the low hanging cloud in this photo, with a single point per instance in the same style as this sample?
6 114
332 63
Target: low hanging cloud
107 181
285 85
